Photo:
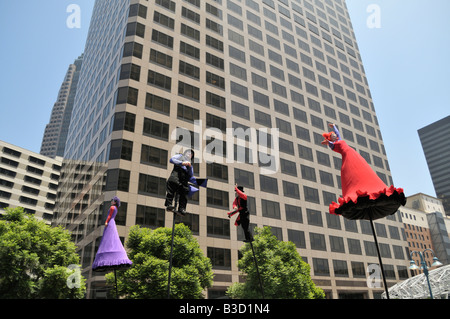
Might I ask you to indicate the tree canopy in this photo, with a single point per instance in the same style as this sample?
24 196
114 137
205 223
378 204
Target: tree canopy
37 260
284 274
149 250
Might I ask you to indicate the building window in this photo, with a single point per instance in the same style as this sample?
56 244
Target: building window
161 58
297 237
293 213
127 95
188 90
311 195
268 184
189 70
314 217
157 103
337 244
220 258
162 38
321 267
217 171
218 227
217 198
354 246
244 178
135 28
121 149
317 241
187 113
291 190
190 32
340 268
155 128
270 209
215 80
160 80
153 156
151 217
152 185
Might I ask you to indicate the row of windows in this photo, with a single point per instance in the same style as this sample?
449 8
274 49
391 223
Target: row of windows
32 159
221 259
160 130
168 41
184 112
217 227
149 185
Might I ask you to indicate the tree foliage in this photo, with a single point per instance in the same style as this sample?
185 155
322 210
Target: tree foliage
149 250
284 274
35 259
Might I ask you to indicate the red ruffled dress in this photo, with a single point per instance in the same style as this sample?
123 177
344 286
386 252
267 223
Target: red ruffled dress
364 194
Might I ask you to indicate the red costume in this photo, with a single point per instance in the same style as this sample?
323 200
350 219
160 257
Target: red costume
240 206
364 194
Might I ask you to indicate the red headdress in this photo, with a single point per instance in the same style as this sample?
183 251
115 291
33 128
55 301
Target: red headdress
327 137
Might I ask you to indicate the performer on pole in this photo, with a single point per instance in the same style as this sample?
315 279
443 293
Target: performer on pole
111 254
364 194
240 206
178 182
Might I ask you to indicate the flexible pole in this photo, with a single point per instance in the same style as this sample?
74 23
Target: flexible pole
257 270
115 279
171 248
379 258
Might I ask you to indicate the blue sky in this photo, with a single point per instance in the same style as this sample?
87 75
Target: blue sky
407 63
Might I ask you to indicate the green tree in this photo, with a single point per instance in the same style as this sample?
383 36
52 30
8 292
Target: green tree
149 250
37 260
284 274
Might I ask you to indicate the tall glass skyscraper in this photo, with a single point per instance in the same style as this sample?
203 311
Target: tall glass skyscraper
160 76
55 134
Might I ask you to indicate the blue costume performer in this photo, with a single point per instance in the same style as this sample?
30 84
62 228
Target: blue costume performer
178 182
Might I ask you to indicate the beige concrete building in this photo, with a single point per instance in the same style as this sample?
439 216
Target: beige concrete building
156 69
426 227
28 180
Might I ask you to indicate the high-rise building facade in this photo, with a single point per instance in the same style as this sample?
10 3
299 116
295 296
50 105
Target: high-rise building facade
28 180
160 76
55 134
436 156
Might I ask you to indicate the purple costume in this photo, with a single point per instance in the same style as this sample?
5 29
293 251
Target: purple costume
111 254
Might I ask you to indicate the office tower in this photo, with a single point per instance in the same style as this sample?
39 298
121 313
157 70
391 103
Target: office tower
436 155
28 180
160 76
55 134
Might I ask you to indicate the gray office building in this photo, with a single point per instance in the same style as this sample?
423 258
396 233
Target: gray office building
437 155
250 85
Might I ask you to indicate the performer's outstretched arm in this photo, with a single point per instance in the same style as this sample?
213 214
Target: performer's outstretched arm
333 126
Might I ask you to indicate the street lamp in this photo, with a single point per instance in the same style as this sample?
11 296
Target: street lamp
413 265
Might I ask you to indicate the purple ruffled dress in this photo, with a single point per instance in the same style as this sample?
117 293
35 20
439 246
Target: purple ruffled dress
111 254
